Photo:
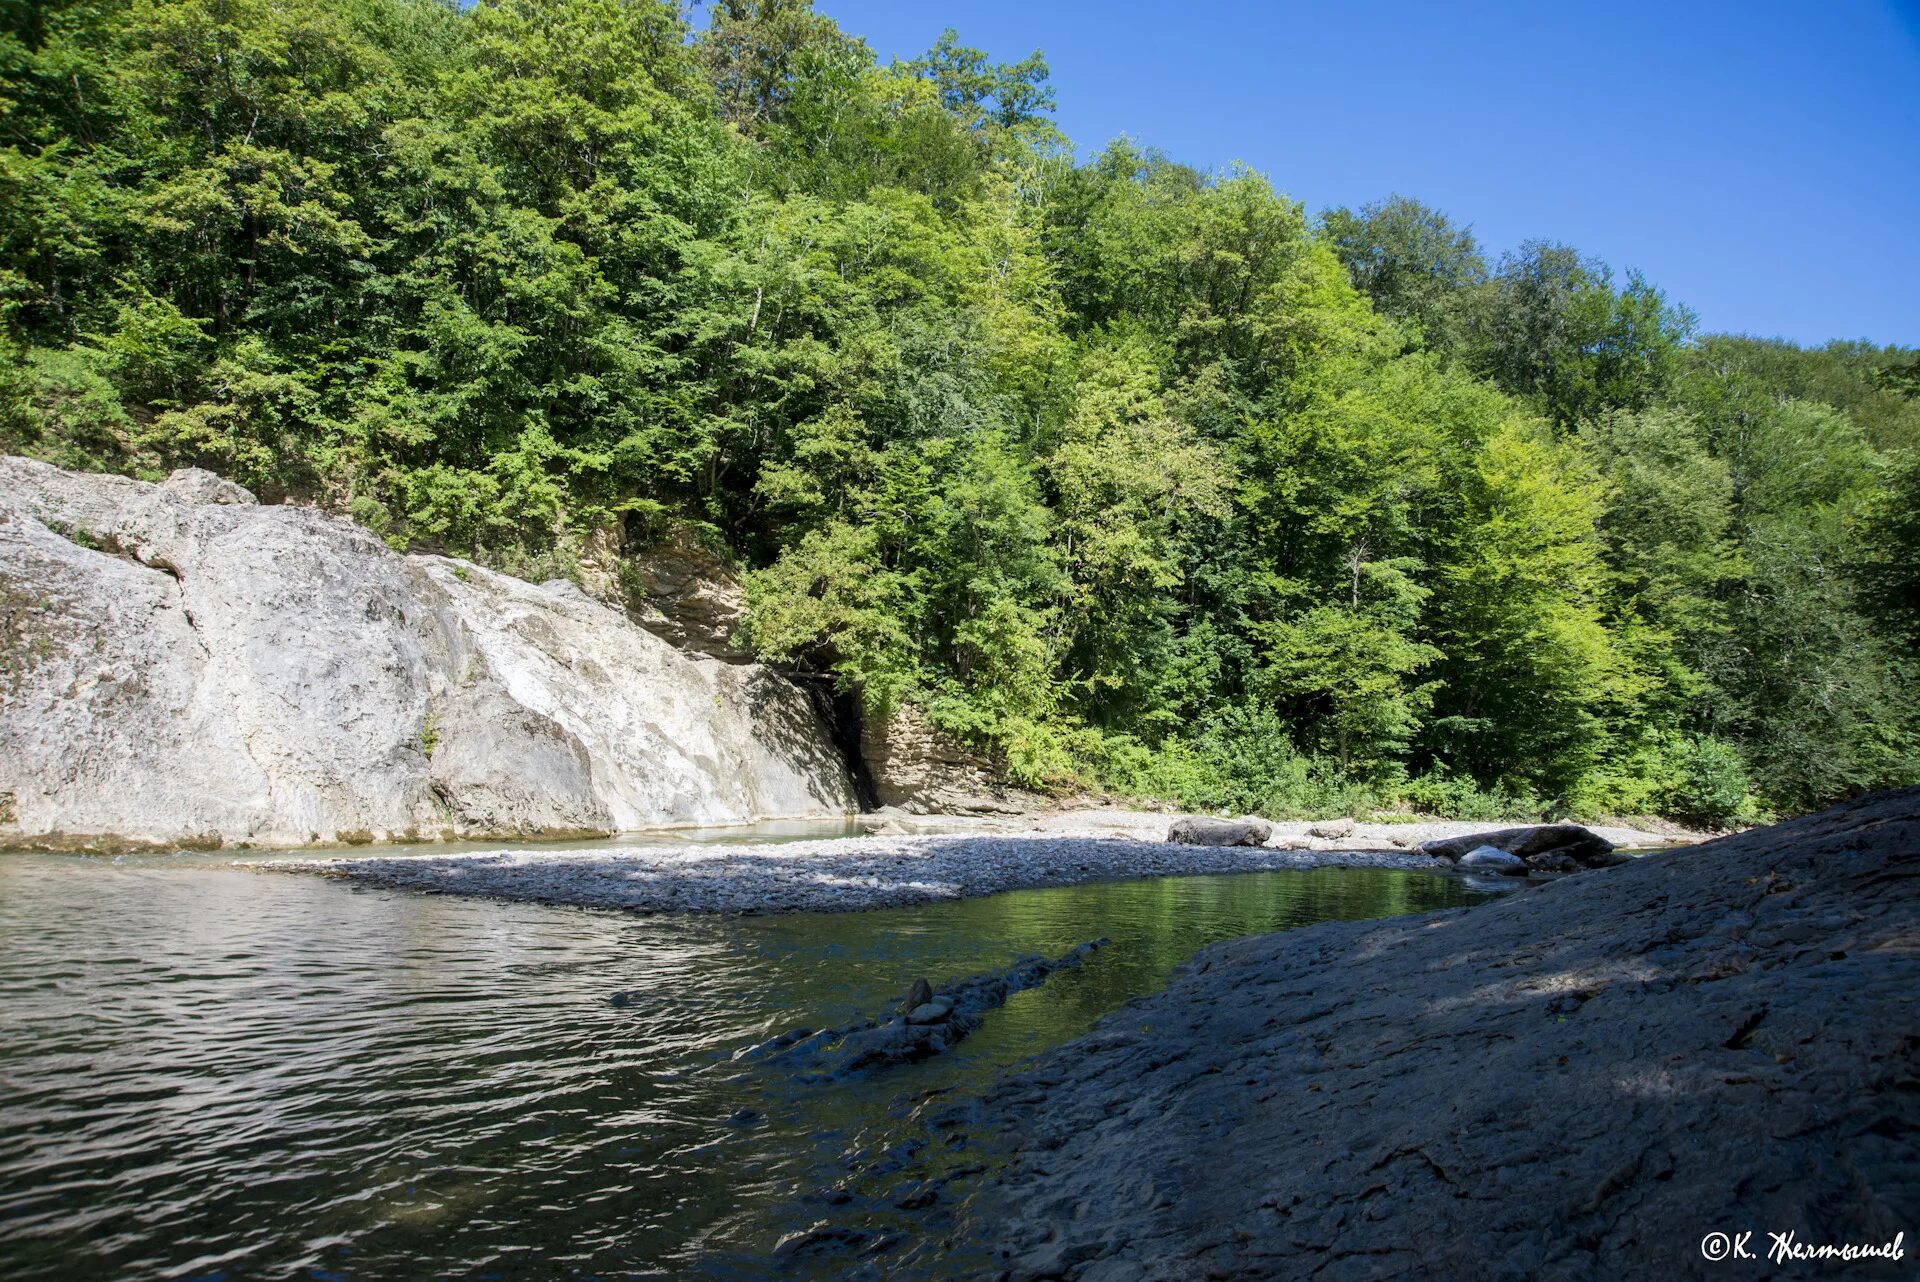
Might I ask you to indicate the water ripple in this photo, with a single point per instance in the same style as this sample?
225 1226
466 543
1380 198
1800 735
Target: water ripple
206 1072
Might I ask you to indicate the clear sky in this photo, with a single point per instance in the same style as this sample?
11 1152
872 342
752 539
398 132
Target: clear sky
1760 161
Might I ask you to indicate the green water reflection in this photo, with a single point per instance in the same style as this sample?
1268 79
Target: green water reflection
206 1072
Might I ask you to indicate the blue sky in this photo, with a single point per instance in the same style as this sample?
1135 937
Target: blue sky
1759 161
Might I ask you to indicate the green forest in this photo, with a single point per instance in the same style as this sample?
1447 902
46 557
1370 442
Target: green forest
1132 476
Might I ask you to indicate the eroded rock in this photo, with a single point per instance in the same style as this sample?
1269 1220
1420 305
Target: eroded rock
182 664
919 769
684 591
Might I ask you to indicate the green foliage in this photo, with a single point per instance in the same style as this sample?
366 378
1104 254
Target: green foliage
1709 784
1530 666
1353 664
1411 260
1551 326
1455 796
62 405
1242 760
1130 475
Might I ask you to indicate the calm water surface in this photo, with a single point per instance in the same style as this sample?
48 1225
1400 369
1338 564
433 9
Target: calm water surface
207 1072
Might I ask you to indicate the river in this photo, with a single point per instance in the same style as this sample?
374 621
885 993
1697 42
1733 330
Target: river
214 1073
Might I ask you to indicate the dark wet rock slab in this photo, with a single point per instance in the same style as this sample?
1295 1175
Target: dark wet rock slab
927 1022
1580 1081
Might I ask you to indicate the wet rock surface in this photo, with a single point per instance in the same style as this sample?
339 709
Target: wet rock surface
1577 1081
927 1027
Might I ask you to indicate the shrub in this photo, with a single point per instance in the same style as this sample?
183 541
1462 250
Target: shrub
1240 759
1451 796
1709 784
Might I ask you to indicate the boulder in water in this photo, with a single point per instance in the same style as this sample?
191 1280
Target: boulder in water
932 1012
1583 846
1492 859
926 1025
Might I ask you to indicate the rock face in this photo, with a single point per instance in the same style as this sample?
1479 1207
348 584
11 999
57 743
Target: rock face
1579 1081
688 595
920 770
182 664
1200 831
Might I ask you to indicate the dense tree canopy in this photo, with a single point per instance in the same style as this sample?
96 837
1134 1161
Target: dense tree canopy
1131 475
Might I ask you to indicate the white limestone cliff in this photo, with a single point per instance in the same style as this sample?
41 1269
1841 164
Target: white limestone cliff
181 664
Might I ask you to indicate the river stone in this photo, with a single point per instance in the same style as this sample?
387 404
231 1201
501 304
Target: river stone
1333 829
918 995
1579 844
1491 859
1195 830
1577 1082
930 1012
186 665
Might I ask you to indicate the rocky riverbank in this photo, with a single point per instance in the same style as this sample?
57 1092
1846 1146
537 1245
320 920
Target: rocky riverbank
961 857
840 875
1584 1080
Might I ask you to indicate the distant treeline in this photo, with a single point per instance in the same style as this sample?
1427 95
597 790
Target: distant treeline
1132 475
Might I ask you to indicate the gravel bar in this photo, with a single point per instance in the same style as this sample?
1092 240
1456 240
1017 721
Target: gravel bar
837 875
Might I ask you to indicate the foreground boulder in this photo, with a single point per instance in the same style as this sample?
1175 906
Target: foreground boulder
1580 1081
185 665
1552 843
1196 830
